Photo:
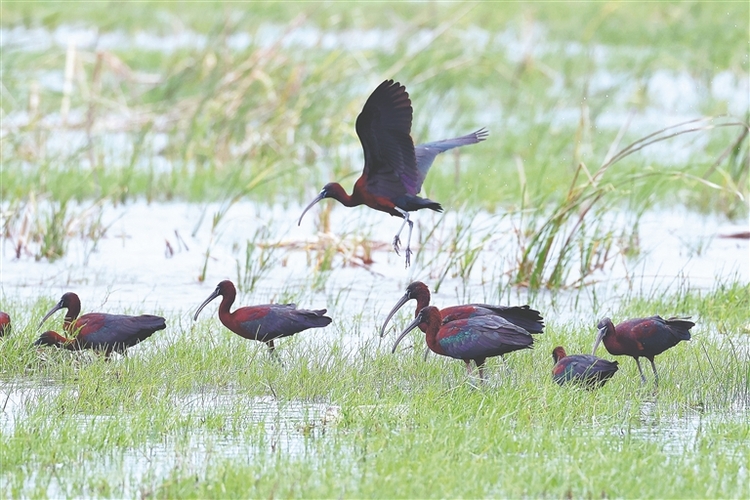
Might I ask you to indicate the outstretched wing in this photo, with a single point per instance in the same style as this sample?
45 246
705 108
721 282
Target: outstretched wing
426 153
383 128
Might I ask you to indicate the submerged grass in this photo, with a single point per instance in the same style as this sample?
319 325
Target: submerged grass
199 412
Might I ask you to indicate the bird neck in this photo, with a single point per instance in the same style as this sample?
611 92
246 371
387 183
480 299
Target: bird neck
73 304
422 302
227 299
336 191
431 326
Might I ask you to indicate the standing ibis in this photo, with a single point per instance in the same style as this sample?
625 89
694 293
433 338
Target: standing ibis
4 323
394 169
266 322
586 370
521 316
98 331
644 337
472 339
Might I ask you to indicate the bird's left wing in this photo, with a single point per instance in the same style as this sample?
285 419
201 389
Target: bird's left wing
427 152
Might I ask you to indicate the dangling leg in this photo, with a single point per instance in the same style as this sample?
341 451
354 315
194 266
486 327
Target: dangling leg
656 375
426 352
469 370
643 378
397 239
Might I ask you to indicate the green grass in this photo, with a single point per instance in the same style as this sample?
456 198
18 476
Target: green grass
344 418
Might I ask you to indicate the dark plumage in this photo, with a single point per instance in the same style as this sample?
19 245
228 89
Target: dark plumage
642 337
266 322
583 369
521 316
98 331
473 339
394 169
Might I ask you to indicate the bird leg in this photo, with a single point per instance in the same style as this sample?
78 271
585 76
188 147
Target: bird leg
272 349
643 378
481 373
656 375
397 239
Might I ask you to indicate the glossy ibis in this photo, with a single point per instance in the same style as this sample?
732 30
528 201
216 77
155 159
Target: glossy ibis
472 339
98 331
642 337
584 369
266 322
521 316
394 169
4 323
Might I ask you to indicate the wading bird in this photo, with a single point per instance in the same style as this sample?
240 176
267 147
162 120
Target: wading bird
264 323
102 332
4 324
521 316
583 369
394 169
473 339
642 337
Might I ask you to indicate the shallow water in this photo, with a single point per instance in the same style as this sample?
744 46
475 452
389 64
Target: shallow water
267 427
133 268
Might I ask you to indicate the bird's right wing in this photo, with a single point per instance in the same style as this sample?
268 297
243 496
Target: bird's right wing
384 128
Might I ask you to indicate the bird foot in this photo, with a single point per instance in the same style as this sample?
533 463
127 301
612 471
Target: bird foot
396 244
408 253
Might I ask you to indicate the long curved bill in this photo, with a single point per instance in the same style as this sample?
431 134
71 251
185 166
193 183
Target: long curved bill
211 297
403 300
409 328
52 311
320 196
599 337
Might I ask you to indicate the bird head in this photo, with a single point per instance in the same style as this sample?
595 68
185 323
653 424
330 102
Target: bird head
330 190
412 292
558 353
428 315
224 288
603 328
